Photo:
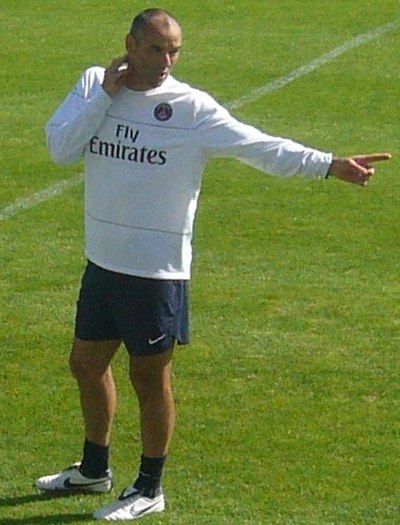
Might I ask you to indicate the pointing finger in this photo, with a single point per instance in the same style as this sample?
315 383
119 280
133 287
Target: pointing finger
371 158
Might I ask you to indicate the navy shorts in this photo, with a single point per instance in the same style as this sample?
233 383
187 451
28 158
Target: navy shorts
149 315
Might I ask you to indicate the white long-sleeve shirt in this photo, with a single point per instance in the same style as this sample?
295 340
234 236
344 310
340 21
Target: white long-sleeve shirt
145 153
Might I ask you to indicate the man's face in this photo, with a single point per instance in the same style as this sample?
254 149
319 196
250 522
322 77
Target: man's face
153 53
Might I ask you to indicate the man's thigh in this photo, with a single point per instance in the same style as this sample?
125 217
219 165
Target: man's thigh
94 356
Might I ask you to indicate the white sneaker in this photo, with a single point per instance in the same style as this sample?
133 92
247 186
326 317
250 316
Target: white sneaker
131 505
71 481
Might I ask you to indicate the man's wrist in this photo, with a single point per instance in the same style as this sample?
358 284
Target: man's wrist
330 173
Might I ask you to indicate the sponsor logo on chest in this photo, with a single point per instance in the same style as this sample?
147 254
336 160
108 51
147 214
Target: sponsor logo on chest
125 144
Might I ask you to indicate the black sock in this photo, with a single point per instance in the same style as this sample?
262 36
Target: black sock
95 460
148 482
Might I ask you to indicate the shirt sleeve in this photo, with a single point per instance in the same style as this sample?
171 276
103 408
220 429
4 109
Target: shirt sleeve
224 136
77 119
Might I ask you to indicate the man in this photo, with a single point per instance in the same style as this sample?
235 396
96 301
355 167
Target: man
145 139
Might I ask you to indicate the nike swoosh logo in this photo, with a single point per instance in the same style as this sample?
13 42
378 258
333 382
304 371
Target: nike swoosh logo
158 339
146 510
69 485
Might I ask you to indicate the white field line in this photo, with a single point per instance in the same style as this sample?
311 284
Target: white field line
56 189
281 82
38 197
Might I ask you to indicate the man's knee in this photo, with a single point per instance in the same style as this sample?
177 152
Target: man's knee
151 375
91 359
79 364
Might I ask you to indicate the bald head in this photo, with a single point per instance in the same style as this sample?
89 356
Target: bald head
152 45
153 19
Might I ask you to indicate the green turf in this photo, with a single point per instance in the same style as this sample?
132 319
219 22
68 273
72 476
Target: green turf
288 396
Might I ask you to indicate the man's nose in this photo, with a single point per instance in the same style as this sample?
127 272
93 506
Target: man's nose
167 61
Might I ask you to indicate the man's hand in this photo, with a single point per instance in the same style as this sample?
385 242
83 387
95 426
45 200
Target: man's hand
115 76
357 169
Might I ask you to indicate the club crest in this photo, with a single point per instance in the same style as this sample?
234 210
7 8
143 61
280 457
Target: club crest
163 112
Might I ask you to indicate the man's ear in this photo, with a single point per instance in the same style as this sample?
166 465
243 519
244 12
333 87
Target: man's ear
130 42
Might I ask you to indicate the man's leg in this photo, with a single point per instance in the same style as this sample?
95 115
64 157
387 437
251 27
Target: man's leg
151 379
90 365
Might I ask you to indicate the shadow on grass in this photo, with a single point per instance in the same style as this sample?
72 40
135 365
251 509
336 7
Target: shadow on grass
32 498
47 520
40 520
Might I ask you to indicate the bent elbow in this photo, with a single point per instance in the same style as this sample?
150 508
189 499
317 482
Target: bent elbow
61 158
62 155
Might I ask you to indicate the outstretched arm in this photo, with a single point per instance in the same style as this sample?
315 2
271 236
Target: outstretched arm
356 169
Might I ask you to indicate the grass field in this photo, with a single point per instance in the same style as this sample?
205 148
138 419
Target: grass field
288 396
